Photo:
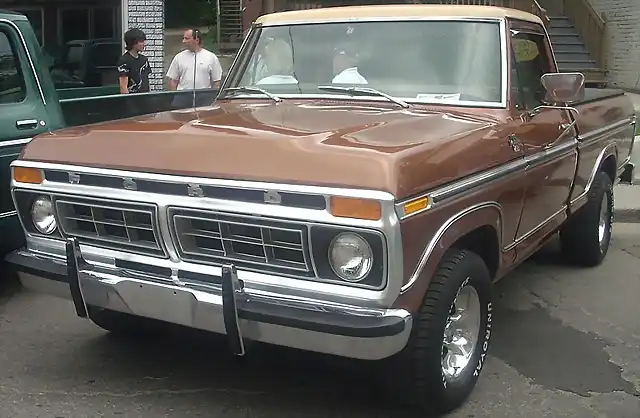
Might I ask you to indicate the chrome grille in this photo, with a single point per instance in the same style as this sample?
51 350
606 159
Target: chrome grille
248 242
109 224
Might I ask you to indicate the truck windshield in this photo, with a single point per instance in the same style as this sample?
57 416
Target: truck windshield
457 62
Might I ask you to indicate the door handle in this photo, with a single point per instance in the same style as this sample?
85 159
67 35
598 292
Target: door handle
27 124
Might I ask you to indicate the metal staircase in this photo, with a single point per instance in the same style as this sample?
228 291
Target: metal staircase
230 26
578 34
571 52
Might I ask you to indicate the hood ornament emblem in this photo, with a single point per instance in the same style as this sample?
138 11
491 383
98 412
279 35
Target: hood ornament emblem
74 178
271 196
129 184
195 190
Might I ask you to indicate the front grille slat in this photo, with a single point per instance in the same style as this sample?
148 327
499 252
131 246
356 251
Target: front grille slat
112 225
216 238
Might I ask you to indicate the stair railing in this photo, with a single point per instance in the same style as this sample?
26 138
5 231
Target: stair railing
591 27
541 12
218 21
529 6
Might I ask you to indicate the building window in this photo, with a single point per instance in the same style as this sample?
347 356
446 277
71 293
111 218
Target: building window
36 19
12 87
89 22
74 24
104 22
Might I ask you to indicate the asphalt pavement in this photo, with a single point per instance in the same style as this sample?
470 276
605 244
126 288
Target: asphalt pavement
566 344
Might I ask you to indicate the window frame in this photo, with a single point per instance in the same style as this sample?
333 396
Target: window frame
534 30
22 9
91 9
249 44
18 60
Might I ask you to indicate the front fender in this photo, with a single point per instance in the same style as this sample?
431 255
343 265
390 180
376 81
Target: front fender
450 232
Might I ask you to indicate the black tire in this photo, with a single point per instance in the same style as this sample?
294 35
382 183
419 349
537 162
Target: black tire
123 324
417 371
580 237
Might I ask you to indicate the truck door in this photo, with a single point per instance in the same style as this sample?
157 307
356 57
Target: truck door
547 138
20 110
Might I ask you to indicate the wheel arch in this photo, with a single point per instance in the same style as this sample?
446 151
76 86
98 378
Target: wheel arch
484 242
477 228
609 166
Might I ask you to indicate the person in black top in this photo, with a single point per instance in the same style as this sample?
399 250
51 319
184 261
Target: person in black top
133 67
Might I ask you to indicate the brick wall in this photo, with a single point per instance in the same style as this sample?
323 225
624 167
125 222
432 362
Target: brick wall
148 15
623 26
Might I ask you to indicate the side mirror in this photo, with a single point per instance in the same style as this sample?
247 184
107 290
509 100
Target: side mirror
563 88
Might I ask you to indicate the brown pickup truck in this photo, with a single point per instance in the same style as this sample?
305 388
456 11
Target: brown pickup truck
364 176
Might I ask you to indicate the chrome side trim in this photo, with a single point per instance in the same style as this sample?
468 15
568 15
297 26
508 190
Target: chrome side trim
603 131
533 230
13 142
8 214
458 187
440 233
551 154
28 54
483 178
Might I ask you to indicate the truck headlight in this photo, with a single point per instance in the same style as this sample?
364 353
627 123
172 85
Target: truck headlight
43 217
350 257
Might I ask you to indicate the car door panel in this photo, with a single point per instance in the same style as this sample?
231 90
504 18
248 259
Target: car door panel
20 120
547 138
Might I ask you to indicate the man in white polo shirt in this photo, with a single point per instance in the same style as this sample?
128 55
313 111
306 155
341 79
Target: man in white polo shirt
195 67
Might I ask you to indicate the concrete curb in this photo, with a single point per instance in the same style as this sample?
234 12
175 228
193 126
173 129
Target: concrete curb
627 203
626 215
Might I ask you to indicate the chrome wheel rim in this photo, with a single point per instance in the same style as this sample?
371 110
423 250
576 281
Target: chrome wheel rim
461 332
603 223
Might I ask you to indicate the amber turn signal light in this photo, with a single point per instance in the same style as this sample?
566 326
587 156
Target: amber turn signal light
416 205
27 175
348 207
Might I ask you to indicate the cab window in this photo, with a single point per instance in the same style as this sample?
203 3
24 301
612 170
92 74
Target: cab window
530 61
12 87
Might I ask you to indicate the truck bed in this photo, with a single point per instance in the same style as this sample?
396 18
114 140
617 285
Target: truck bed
595 94
86 110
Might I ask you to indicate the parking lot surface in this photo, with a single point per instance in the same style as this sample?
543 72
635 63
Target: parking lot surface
566 343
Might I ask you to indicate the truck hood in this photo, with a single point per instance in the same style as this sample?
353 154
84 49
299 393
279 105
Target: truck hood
325 143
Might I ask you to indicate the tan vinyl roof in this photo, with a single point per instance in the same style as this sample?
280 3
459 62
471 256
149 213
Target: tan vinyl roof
390 11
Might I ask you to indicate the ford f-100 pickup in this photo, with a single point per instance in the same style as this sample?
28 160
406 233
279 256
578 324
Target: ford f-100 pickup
363 177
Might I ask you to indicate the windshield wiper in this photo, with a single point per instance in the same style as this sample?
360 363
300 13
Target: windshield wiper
254 89
365 90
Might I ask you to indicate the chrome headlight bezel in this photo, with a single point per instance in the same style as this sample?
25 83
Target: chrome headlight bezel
42 213
322 237
361 245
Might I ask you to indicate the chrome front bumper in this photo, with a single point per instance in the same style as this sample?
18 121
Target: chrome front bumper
313 325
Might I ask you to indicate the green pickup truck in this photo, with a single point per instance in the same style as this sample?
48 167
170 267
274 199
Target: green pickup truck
30 104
